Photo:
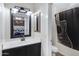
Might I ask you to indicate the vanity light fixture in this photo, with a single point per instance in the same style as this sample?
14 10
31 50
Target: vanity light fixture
17 9
29 13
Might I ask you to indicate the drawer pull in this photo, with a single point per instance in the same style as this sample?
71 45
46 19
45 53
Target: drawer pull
5 53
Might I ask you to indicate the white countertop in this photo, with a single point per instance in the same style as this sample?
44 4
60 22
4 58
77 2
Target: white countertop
13 44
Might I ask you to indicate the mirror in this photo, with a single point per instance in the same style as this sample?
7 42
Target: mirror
37 22
20 23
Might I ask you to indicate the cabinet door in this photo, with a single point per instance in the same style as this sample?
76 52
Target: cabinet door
33 50
13 51
29 50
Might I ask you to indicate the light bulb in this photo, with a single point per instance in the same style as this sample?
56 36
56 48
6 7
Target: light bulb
14 10
29 13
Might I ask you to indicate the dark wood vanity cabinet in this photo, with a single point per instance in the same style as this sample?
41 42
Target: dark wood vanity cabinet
28 50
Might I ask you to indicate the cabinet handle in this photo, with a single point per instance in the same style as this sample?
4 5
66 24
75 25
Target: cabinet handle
5 53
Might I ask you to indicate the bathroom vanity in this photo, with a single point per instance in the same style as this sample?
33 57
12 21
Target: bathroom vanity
25 48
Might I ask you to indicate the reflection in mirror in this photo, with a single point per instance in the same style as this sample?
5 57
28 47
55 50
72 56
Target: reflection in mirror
68 27
37 22
20 22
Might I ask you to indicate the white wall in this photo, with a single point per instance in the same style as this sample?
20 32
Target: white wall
50 28
1 30
58 7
